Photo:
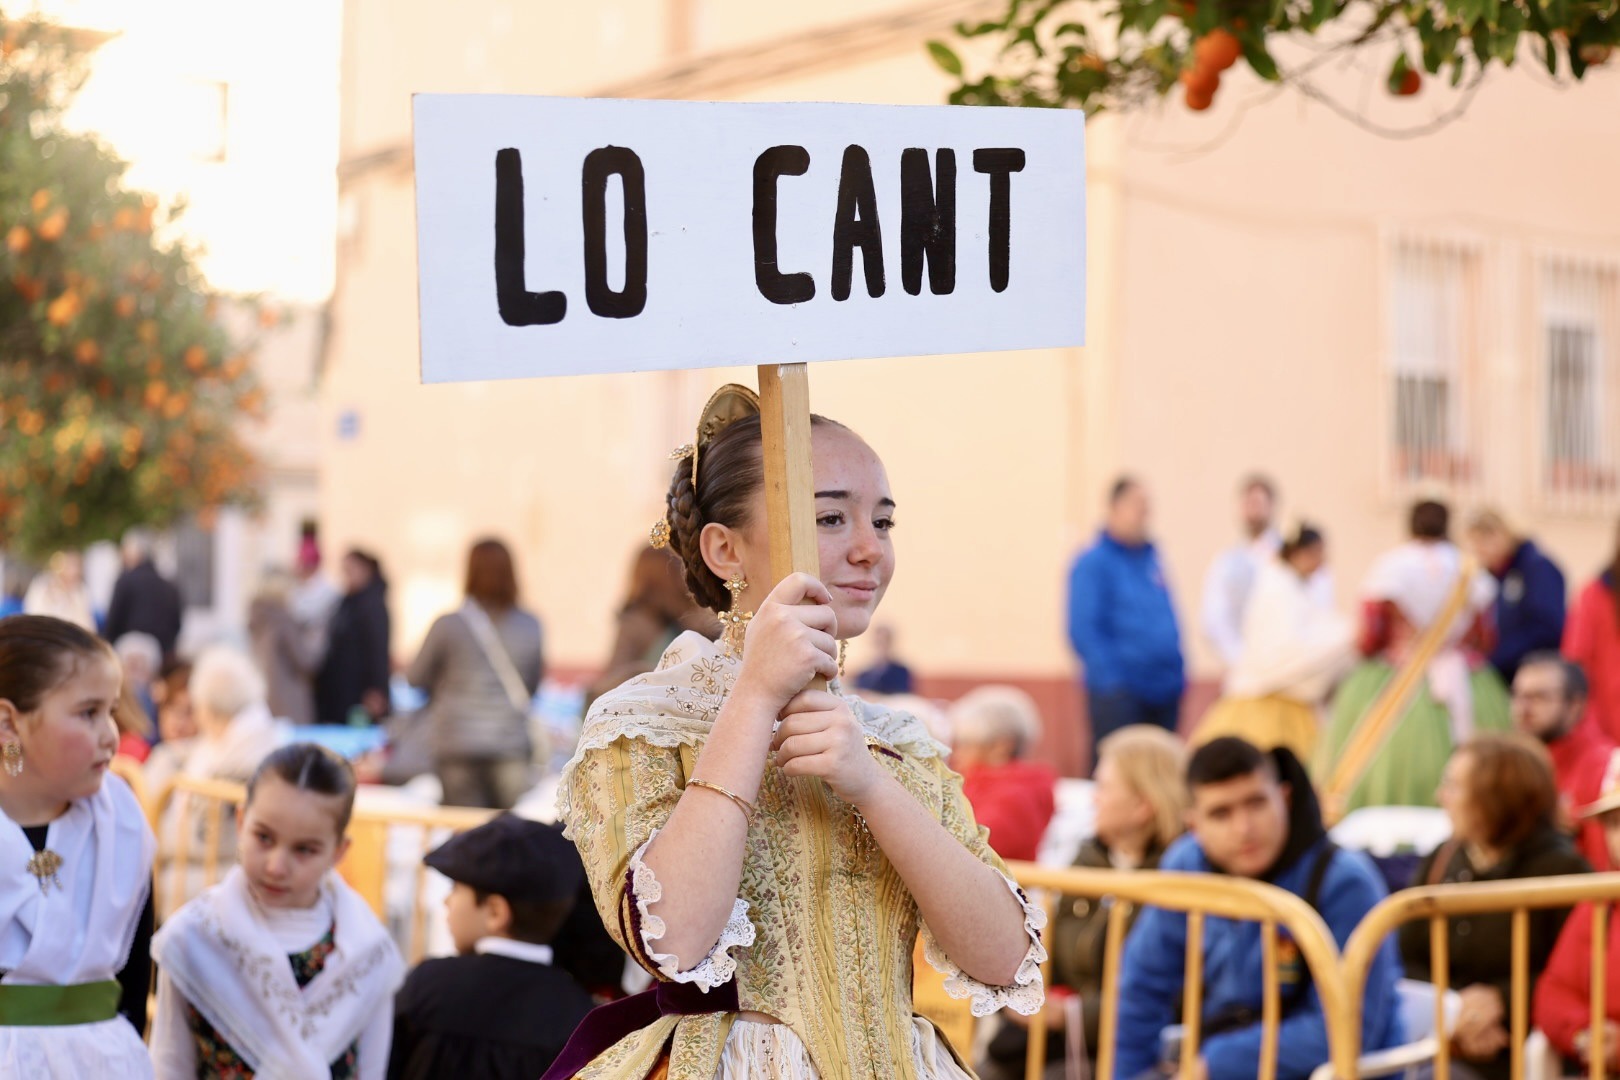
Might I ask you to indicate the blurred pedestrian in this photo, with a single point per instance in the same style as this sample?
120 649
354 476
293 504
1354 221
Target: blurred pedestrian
352 684
1406 596
1235 573
887 675
1122 622
1551 705
287 654
1296 646
142 659
61 593
1592 640
1529 611
993 730
657 609
144 600
480 666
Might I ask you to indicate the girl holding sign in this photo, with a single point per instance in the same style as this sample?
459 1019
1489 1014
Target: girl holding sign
771 852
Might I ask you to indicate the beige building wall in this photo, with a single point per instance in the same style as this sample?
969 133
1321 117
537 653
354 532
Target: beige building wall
1236 321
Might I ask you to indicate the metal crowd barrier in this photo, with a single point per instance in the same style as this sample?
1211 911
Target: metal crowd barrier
1201 896
1438 904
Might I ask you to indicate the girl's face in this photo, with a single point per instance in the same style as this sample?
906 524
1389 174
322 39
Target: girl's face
288 840
854 517
1121 811
70 739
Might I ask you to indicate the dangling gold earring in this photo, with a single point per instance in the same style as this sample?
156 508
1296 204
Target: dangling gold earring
843 651
13 757
735 621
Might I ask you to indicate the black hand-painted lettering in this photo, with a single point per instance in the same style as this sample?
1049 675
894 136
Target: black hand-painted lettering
856 225
1000 163
928 221
775 286
600 164
518 306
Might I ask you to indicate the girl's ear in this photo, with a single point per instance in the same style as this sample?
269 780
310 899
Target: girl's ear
341 850
722 550
11 721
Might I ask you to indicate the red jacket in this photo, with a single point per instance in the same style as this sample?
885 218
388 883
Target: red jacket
1015 802
1580 760
1563 1003
1592 640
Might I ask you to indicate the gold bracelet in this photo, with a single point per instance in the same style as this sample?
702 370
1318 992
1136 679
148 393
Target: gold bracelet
742 804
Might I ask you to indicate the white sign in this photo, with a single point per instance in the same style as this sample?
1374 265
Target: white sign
564 236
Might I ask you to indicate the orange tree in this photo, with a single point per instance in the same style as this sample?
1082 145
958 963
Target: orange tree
1120 54
120 393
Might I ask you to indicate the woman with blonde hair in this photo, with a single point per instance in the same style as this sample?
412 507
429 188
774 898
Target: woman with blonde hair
1141 801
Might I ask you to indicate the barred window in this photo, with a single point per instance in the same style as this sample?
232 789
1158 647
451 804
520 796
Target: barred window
1578 392
1432 350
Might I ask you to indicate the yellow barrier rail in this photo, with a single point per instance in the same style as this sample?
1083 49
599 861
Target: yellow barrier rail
1201 896
1438 904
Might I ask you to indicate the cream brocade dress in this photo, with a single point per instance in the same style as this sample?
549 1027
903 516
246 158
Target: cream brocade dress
822 934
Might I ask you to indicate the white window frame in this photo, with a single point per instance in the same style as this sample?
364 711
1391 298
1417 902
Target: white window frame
1462 474
1570 486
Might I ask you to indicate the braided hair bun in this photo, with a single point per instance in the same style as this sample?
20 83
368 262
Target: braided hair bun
731 472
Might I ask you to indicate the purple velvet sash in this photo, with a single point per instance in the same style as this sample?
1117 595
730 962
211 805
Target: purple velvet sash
606 1024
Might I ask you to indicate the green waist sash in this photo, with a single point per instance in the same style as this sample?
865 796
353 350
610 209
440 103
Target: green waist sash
54 1006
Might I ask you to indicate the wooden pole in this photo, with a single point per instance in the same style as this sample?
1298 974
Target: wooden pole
790 493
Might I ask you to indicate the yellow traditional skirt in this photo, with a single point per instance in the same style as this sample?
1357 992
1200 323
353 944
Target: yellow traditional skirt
1267 722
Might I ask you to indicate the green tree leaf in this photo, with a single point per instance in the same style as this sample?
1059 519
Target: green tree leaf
945 58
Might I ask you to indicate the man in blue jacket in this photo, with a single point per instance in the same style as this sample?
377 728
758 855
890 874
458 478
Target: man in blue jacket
1253 815
1530 596
1122 622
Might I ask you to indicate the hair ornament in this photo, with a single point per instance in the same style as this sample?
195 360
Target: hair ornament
730 403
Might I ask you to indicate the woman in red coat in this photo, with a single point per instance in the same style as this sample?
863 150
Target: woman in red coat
1563 994
1592 640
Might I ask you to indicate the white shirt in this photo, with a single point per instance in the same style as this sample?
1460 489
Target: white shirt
1229 584
517 950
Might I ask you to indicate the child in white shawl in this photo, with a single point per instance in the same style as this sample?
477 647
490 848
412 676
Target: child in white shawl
75 863
281 968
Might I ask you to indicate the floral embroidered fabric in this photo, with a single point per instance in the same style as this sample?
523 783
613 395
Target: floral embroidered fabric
218 1060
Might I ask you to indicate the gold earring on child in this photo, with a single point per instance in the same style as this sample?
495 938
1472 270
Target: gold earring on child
734 621
13 757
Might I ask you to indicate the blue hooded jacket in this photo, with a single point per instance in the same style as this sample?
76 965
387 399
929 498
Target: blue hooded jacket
1122 622
1152 970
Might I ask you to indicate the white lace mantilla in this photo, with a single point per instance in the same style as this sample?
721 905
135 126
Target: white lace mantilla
677 704
1026 993
715 969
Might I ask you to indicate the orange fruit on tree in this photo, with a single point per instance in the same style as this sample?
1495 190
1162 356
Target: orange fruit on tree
29 289
1198 100
1411 83
54 226
124 219
18 239
63 309
40 201
87 352
1594 55
196 358
1218 49
156 393
1201 81
125 306
147 331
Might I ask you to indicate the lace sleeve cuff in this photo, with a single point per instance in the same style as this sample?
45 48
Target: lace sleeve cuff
1025 994
715 969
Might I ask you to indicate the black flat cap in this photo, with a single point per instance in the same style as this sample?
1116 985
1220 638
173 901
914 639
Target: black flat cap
514 857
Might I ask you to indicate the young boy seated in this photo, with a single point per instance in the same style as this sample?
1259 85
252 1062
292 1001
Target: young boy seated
500 1008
